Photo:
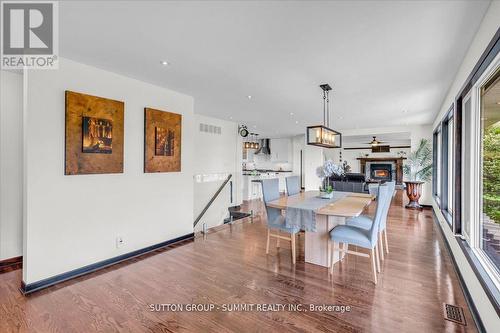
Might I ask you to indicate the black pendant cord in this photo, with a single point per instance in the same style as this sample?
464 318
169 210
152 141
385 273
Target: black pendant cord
324 107
328 108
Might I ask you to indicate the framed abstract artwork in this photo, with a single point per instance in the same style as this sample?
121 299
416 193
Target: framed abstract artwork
94 134
162 141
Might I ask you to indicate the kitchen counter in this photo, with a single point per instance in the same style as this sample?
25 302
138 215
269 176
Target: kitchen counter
257 172
251 186
265 170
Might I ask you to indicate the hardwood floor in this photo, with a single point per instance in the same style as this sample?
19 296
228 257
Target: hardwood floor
230 266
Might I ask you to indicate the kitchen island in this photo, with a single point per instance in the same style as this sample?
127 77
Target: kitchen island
251 186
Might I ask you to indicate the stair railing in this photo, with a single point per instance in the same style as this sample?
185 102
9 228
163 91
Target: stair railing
211 200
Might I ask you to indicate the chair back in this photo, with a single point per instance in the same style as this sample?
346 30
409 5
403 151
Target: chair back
292 185
383 200
271 192
391 186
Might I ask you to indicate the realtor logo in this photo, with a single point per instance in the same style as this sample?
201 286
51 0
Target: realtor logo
29 34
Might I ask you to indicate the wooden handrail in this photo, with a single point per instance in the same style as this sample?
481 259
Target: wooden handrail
211 200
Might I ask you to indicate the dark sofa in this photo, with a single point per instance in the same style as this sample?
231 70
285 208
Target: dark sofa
350 182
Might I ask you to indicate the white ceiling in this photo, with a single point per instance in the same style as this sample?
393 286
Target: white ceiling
392 139
381 57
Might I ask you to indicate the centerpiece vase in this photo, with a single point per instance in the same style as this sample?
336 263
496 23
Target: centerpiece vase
324 194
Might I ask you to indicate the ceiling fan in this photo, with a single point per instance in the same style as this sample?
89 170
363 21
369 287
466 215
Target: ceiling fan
375 142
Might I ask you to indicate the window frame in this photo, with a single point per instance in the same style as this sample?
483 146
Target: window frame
441 160
436 176
476 172
445 160
474 257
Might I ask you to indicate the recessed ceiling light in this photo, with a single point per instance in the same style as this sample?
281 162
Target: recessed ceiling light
341 117
164 63
291 113
249 96
231 118
296 121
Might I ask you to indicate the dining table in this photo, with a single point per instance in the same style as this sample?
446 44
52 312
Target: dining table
317 216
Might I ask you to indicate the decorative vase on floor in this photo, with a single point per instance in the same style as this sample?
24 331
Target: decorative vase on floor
413 191
418 168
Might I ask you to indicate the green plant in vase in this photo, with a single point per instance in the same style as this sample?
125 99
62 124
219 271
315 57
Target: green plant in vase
418 170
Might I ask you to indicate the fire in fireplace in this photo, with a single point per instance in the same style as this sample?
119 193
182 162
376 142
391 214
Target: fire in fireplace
381 171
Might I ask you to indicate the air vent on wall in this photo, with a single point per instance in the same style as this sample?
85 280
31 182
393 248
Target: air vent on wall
212 129
381 149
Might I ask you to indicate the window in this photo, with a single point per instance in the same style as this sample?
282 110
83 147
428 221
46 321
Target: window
443 158
447 164
434 164
437 164
467 172
450 158
489 209
481 171
475 170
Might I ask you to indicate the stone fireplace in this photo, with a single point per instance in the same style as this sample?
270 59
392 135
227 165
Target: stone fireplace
382 168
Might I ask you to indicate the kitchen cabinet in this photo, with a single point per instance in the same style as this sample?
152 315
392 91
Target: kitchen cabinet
281 150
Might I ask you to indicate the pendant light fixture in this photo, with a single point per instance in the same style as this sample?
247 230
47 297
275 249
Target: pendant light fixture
323 135
256 144
252 142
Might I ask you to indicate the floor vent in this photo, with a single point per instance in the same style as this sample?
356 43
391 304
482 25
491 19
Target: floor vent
454 313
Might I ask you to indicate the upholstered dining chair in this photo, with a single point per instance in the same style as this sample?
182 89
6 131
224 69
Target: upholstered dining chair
292 185
365 222
368 239
275 220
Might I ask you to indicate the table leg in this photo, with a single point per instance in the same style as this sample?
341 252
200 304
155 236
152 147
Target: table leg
317 246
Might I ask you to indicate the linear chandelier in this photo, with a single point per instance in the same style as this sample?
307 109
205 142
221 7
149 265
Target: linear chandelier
252 143
323 135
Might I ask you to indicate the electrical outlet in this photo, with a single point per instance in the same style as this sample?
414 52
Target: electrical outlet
119 242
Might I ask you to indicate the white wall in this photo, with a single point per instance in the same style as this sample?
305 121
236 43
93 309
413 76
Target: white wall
486 31
11 176
72 221
313 158
216 155
298 144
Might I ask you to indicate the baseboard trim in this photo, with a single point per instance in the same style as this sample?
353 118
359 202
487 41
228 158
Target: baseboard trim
468 298
42 284
11 264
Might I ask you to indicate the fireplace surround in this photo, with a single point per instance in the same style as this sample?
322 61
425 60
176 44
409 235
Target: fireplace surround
395 162
381 171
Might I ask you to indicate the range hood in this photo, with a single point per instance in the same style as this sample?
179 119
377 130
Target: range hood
265 147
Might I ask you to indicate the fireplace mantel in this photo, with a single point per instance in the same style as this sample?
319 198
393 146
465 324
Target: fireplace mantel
398 161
